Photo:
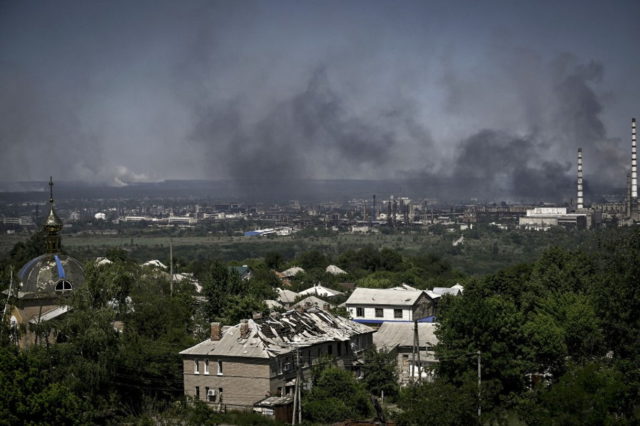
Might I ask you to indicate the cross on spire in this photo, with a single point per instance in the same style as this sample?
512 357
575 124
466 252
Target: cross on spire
51 189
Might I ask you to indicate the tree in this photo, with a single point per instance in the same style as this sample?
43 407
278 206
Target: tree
593 394
438 403
380 372
313 259
274 260
336 395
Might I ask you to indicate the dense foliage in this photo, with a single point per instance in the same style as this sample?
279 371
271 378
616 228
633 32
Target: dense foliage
559 337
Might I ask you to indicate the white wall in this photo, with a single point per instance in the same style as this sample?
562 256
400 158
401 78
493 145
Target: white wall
387 311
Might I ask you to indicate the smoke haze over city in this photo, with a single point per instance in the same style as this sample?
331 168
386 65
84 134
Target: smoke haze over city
463 99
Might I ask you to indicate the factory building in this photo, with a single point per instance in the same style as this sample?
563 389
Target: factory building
543 218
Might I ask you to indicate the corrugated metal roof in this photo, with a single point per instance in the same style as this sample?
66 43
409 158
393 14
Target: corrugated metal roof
375 296
269 337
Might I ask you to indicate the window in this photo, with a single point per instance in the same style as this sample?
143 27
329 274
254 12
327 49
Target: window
196 367
211 395
330 349
63 286
397 313
219 368
206 366
359 312
197 392
339 348
219 394
379 313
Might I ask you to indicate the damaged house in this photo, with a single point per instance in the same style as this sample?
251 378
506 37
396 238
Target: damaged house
242 366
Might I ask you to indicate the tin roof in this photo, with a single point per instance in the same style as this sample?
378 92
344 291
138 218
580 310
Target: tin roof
392 334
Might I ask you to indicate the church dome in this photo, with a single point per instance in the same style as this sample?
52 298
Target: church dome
51 273
54 272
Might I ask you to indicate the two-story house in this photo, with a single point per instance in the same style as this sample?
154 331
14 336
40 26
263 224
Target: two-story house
413 361
375 306
240 366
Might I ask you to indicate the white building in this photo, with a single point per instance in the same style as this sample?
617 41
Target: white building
375 306
543 218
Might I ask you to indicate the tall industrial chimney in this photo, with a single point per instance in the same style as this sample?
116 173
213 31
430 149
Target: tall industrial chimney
634 164
580 199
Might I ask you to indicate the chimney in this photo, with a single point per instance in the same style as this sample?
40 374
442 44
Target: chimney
580 200
216 331
244 329
257 315
634 165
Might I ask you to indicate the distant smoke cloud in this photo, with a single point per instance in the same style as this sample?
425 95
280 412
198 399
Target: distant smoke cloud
271 95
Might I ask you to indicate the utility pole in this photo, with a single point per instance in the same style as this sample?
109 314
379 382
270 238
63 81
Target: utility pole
416 343
297 393
413 359
171 264
479 385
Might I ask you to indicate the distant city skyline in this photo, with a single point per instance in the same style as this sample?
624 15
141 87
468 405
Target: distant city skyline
464 98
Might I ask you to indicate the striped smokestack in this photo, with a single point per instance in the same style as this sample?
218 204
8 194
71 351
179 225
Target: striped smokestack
634 161
580 203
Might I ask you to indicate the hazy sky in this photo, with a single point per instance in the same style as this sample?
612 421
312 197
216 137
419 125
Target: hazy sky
492 97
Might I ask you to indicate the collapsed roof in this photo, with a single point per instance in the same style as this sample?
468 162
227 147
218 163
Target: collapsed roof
273 336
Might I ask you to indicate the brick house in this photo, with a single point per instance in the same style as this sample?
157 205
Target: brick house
242 365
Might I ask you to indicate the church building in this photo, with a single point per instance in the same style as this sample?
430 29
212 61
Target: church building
44 285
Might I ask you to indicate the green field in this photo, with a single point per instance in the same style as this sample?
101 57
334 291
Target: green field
484 251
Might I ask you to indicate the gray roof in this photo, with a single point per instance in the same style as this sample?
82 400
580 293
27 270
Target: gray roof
447 290
272 336
286 296
392 334
312 301
375 296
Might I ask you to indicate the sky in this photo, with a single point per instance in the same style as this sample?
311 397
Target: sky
483 99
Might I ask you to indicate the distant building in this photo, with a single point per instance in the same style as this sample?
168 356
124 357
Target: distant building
313 302
244 272
543 218
320 290
286 297
292 272
334 270
242 366
376 306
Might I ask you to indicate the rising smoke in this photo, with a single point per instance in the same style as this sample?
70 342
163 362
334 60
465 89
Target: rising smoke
273 97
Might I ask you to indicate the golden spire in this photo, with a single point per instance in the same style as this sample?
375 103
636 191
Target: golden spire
53 224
